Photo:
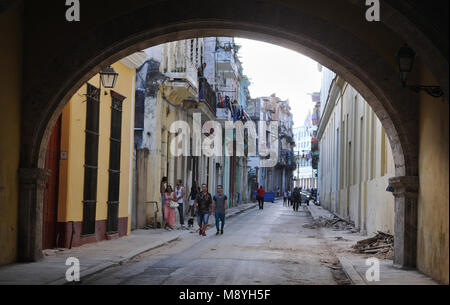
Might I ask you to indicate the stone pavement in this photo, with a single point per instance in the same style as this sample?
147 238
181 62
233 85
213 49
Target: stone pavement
259 247
354 264
95 257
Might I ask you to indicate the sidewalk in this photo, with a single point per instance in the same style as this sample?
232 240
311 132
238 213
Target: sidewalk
354 265
95 257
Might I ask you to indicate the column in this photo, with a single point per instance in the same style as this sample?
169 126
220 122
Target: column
31 204
405 231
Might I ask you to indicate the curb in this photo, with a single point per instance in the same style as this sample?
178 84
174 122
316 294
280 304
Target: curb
106 265
350 272
242 211
235 214
315 216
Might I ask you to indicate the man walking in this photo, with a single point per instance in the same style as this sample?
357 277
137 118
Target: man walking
179 193
221 209
289 194
261 193
296 199
203 206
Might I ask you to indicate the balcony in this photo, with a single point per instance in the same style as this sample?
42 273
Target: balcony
292 161
226 64
287 159
207 95
182 83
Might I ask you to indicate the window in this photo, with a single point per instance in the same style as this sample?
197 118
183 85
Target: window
114 162
91 160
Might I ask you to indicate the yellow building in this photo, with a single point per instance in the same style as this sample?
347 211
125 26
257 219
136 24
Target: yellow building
88 195
356 161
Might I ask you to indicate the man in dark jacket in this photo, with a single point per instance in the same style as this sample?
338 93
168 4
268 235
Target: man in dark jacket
296 198
203 206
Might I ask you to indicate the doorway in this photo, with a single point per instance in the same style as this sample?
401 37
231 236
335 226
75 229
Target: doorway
50 211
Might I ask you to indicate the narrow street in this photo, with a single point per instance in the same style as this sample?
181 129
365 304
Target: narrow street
259 247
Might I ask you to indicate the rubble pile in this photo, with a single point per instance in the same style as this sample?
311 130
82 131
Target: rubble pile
338 224
381 245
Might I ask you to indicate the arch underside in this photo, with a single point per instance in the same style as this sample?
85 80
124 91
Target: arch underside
359 64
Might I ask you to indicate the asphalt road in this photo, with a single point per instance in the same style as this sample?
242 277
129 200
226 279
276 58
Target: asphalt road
259 247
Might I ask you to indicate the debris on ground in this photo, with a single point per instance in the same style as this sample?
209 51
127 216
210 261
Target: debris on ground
331 264
380 246
337 223
340 238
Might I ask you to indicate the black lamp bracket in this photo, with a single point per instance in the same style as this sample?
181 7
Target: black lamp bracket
434 91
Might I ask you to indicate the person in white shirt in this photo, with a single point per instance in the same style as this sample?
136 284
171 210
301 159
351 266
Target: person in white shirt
179 193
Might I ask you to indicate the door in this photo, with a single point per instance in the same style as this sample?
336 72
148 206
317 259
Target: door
51 188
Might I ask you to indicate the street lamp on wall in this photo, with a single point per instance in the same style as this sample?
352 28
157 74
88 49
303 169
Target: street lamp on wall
405 59
108 77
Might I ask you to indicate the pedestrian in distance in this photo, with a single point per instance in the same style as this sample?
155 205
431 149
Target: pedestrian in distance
203 206
289 196
261 193
296 198
179 193
220 207
162 190
285 196
169 211
195 189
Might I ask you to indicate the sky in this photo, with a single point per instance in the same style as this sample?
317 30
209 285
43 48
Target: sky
273 69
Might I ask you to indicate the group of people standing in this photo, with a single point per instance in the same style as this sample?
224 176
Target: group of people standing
201 204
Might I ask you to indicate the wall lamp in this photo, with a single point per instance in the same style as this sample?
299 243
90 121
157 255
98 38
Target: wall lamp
109 77
405 57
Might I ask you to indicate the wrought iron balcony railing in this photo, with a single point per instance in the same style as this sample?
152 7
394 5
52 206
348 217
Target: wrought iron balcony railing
207 94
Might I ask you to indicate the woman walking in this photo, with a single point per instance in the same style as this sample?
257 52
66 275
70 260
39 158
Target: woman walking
169 212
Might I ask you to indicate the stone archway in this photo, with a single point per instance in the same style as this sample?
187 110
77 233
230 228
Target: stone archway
368 68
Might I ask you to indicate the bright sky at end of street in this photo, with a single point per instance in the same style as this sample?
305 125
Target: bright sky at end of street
273 69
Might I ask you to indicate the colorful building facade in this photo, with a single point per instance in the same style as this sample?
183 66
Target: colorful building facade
88 193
